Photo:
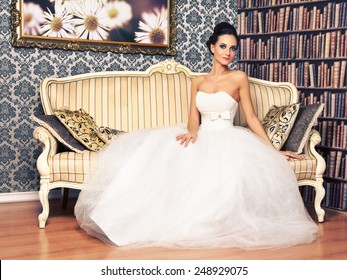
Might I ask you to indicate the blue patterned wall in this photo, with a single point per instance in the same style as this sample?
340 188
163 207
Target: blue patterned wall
22 69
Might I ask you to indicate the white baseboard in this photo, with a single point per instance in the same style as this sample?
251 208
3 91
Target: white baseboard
32 196
18 196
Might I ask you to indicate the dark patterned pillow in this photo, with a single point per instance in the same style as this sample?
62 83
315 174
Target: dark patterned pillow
278 123
59 131
306 119
82 127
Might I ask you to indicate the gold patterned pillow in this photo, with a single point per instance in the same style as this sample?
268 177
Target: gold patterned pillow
278 123
107 133
82 127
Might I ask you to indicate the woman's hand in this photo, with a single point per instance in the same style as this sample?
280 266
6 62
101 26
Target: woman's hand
288 155
186 138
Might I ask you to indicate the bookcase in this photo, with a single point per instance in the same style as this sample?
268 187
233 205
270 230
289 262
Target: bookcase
304 42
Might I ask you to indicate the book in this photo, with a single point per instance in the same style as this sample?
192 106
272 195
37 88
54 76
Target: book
332 162
301 18
338 43
329 136
327 194
336 74
313 18
312 75
343 167
260 22
329 11
344 137
334 134
306 74
342 80
338 164
327 45
324 17
324 133
344 197
333 46
280 27
342 133
287 18
339 135
337 13
332 104
325 97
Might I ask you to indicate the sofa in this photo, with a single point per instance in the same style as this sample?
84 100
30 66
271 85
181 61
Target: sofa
124 101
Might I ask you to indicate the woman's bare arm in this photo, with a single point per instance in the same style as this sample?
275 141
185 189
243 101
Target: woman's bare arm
194 117
251 118
248 110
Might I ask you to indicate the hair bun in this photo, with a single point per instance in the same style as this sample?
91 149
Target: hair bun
221 26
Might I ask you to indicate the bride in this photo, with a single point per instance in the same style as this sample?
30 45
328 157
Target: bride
205 185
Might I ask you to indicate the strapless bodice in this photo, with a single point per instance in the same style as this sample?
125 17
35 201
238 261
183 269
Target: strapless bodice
217 109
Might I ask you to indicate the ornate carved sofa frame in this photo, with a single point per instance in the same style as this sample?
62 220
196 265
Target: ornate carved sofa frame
130 100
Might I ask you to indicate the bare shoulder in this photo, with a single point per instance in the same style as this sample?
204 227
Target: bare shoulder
239 78
198 80
238 74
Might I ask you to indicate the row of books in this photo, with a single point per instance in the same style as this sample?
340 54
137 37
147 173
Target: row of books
307 98
266 3
305 74
335 195
310 46
332 15
333 133
335 164
335 102
324 76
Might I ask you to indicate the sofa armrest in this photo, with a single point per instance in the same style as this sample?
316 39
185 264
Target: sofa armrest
310 149
49 149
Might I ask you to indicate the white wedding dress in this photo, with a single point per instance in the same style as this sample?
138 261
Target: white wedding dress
228 189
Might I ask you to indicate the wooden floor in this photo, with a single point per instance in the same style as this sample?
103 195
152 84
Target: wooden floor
62 239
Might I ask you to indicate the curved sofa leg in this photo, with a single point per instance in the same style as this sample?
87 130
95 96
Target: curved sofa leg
43 195
320 192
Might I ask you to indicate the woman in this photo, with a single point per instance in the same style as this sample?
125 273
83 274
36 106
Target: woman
227 188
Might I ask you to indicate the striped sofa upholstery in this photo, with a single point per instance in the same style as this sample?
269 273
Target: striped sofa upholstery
131 100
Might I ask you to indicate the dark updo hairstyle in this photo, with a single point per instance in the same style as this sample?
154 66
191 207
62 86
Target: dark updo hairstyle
222 28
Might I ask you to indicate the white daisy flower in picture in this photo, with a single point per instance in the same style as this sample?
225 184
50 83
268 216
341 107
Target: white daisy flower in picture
154 27
61 24
91 21
32 18
72 5
118 12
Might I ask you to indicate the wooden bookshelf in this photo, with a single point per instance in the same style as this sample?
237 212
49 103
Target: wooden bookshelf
304 42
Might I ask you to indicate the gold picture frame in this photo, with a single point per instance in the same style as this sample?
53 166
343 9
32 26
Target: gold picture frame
132 26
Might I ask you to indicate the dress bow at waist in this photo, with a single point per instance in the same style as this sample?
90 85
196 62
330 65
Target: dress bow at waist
217 115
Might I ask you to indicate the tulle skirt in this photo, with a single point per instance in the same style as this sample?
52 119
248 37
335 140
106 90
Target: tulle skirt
229 189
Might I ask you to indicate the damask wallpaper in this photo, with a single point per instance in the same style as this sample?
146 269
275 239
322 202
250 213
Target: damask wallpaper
22 69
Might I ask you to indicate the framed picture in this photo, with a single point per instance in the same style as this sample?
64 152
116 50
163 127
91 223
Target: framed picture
124 26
